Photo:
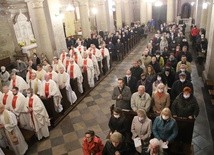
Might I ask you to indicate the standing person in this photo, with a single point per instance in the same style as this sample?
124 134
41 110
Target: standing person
8 123
122 95
116 146
35 84
92 144
185 105
4 76
130 81
136 70
22 68
39 119
141 128
165 127
7 97
106 58
17 81
51 96
36 60
141 100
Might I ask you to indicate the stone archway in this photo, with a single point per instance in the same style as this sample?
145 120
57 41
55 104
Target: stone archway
186 10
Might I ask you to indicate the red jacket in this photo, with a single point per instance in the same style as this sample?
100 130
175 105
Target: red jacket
194 32
94 147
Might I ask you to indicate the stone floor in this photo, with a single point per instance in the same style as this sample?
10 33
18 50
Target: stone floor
93 113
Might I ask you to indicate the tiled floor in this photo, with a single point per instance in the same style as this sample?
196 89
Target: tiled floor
93 113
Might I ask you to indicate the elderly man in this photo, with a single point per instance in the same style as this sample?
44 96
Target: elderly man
17 81
122 95
69 96
35 84
14 137
141 100
56 64
6 97
51 96
39 119
29 74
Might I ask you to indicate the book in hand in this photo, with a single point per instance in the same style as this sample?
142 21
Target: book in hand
137 142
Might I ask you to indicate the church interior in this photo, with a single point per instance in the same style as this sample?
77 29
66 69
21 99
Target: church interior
106 77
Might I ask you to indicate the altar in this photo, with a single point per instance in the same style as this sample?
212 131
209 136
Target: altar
24 35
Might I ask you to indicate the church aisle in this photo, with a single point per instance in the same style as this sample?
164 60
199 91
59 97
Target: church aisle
94 113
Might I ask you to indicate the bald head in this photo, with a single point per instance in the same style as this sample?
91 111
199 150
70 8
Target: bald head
141 90
47 77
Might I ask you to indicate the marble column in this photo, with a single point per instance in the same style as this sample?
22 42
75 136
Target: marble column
170 11
118 14
40 27
54 20
84 18
101 15
143 12
204 15
127 11
110 18
208 20
149 11
69 20
209 65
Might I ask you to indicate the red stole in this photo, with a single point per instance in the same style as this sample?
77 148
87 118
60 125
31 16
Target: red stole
66 64
4 99
50 75
14 83
79 48
63 56
75 57
71 71
102 52
30 75
14 101
47 89
85 65
94 51
30 105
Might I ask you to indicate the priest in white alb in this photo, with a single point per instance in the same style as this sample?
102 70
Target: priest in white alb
39 119
19 109
87 71
68 95
76 77
98 55
51 97
52 74
95 63
56 64
18 81
35 84
106 58
63 55
7 96
66 61
30 71
8 123
40 73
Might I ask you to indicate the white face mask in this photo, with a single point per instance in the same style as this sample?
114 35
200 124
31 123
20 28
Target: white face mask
160 90
28 95
140 118
165 117
117 116
186 96
3 70
182 80
158 78
183 70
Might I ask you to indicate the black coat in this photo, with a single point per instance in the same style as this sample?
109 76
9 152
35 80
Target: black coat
118 124
136 72
185 107
132 84
178 87
109 149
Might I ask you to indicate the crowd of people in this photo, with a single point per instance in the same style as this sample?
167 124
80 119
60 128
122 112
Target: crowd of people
38 91
159 90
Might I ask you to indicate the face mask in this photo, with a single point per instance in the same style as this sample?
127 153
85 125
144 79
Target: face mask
186 96
183 70
158 78
28 95
157 56
182 80
3 70
167 73
165 117
116 116
34 56
160 90
140 119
